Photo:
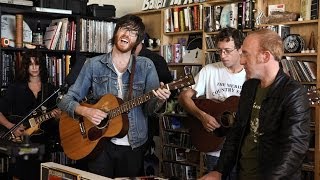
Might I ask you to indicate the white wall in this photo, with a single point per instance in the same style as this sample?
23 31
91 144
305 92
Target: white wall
122 6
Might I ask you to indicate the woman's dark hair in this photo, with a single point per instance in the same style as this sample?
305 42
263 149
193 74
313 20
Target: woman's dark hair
229 33
132 22
23 74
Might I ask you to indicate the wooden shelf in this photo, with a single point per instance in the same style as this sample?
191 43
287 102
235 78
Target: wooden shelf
184 64
184 32
291 23
300 54
147 12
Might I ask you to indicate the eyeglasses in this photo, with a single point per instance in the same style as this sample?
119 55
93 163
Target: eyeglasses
225 51
132 33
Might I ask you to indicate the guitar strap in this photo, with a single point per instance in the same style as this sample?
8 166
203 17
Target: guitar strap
133 69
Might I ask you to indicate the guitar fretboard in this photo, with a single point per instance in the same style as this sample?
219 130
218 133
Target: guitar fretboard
43 117
125 107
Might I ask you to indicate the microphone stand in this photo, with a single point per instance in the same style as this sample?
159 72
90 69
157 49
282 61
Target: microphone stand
26 117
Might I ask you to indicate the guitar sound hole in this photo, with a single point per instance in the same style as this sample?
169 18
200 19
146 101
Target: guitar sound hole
94 133
227 119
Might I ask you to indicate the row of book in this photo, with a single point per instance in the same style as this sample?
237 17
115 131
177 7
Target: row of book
237 15
212 57
95 35
300 70
211 42
173 53
309 9
7 69
194 70
58 68
60 35
182 171
180 19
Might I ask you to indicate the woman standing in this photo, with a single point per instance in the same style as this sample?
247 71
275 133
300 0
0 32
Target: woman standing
30 88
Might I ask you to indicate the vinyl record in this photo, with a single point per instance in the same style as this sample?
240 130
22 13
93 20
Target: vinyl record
293 43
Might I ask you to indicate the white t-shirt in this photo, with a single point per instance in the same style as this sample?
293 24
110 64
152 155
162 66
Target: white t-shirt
216 82
120 141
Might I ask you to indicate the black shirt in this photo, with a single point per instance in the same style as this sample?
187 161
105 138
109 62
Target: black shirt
19 99
159 63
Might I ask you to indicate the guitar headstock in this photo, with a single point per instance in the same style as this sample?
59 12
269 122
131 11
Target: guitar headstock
314 96
181 83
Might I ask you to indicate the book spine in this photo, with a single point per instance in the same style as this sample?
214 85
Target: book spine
176 19
182 23
240 15
314 9
196 17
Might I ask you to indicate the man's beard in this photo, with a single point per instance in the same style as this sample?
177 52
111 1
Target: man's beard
126 48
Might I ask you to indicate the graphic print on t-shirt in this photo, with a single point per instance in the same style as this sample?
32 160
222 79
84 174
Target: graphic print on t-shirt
226 88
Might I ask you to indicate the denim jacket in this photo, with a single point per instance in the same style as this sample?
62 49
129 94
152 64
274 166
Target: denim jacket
99 75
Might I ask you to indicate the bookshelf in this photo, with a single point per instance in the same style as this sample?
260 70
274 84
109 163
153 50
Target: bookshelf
59 59
304 28
74 40
179 158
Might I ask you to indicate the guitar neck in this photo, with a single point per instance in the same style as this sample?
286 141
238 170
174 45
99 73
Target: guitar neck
43 117
125 107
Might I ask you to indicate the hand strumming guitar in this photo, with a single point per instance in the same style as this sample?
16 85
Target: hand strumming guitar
97 115
18 132
209 123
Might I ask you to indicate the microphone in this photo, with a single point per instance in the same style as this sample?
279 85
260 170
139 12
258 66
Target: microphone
63 89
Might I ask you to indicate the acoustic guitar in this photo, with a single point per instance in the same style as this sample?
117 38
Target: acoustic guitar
224 112
82 139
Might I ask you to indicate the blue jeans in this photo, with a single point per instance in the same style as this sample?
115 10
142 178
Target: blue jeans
211 162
